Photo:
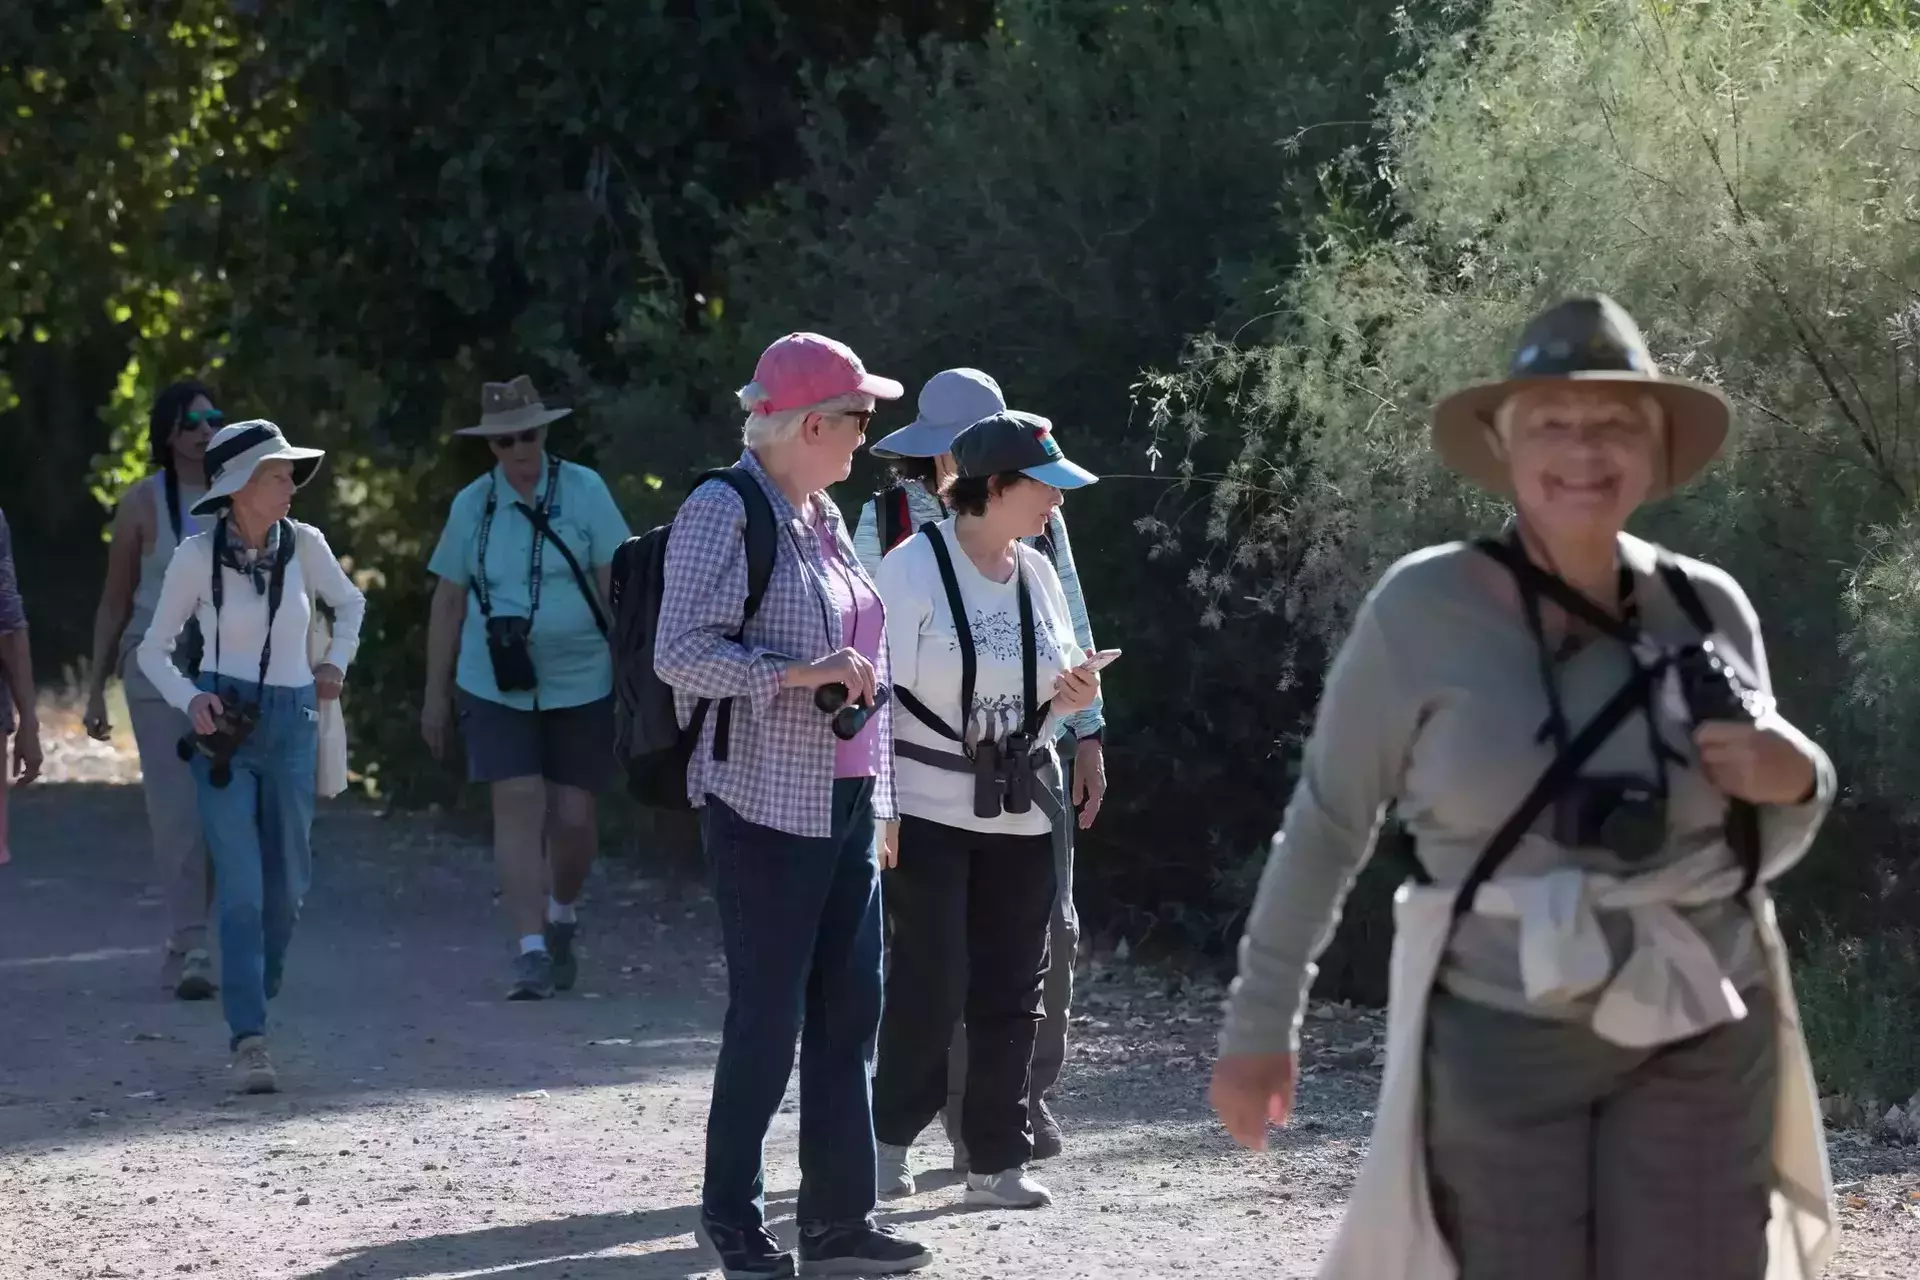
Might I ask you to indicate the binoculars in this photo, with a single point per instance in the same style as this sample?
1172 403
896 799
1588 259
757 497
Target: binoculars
1003 775
848 718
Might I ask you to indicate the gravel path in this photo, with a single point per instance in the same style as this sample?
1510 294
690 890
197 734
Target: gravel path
430 1130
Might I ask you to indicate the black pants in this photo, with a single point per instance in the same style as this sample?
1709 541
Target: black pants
970 915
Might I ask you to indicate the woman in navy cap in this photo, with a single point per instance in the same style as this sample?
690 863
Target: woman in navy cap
980 634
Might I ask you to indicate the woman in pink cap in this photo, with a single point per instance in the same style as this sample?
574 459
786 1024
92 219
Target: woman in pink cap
792 766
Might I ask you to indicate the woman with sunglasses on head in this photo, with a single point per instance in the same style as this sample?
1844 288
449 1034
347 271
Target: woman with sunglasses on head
517 648
987 665
153 519
789 773
251 582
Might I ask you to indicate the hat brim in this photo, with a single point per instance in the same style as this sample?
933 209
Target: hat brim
306 465
1061 475
923 439
507 428
881 388
1697 421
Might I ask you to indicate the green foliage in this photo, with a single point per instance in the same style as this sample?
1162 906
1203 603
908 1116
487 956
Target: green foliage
1860 1005
1060 205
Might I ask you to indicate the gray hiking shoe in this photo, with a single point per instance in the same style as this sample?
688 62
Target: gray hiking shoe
195 980
566 965
253 1068
896 1179
1046 1132
532 977
1009 1189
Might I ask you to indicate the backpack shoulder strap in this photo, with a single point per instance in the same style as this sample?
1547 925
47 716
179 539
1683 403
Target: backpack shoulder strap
896 516
760 534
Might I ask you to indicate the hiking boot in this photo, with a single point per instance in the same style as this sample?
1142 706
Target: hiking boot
1046 1132
195 979
896 1179
747 1255
566 965
253 1068
857 1249
532 976
1010 1189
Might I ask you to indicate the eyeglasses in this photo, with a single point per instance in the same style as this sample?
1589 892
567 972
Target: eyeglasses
848 718
503 443
197 418
861 417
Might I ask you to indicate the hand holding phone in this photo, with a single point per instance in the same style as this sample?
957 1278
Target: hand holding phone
1101 660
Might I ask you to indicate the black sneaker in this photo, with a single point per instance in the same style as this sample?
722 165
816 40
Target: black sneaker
747 1255
566 965
857 1249
532 976
1046 1132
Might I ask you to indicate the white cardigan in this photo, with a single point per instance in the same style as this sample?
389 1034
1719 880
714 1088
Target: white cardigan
187 592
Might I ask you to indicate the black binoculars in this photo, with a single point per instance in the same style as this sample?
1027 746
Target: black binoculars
1003 776
232 727
849 718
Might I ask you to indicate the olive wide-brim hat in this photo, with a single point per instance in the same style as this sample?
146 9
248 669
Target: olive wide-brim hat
1592 341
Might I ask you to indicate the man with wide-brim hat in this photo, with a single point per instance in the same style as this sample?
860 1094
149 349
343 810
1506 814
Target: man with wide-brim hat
516 646
1594 1062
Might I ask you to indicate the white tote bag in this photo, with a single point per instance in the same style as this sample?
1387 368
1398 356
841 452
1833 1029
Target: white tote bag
331 776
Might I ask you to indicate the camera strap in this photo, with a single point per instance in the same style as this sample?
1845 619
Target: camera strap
283 553
537 557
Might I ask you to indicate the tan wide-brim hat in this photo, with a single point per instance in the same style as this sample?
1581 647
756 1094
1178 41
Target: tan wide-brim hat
507 407
1592 341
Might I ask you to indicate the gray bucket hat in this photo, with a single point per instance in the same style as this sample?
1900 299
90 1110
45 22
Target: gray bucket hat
952 401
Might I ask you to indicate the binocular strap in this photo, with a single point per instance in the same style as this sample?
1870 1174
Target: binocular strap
953 762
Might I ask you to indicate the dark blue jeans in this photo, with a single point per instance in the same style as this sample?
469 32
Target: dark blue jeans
800 919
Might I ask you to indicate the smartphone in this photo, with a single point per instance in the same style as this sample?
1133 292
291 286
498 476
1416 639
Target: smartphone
1102 660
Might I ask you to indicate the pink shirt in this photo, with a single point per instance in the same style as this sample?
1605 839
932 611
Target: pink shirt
863 625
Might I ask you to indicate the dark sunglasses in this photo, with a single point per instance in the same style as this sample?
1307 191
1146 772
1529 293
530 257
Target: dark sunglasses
503 443
862 416
202 418
848 718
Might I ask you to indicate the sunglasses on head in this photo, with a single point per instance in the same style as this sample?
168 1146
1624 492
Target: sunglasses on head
201 418
503 443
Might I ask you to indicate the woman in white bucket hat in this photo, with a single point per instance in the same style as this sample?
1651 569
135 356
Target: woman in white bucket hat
1594 1060
255 710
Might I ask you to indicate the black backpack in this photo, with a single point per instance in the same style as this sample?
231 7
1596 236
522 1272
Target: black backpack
648 738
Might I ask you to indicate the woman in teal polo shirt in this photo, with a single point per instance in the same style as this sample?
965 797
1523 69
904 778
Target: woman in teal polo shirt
524 618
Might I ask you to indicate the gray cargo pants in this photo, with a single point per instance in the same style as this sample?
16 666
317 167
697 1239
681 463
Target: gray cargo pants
1063 943
1554 1153
181 864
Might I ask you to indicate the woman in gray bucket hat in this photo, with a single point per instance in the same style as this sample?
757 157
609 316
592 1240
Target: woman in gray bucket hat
1594 1060
922 458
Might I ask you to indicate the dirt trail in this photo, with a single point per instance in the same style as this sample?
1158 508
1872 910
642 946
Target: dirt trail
429 1130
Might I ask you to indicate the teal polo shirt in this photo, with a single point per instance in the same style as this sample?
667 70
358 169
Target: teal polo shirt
570 656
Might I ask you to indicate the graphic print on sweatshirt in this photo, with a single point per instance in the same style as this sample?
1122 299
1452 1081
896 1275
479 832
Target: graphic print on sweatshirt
996 638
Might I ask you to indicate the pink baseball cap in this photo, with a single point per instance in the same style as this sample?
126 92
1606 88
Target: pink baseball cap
805 369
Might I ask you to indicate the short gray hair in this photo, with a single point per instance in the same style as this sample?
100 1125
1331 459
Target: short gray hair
784 424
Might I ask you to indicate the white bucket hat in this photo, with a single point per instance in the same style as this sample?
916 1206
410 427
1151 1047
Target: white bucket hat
237 452
952 401
507 407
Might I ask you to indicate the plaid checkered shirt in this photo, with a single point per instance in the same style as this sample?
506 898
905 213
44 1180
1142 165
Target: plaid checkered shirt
780 765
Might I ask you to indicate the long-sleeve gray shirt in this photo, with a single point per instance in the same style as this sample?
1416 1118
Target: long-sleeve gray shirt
1436 703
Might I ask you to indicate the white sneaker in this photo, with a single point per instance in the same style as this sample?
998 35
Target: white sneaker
1010 1189
895 1178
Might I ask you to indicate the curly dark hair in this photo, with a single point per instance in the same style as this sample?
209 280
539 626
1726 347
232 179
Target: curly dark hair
969 494
169 408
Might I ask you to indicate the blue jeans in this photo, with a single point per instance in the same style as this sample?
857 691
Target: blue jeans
258 831
800 919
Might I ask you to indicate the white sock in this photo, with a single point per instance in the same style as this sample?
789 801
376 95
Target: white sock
559 912
531 943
